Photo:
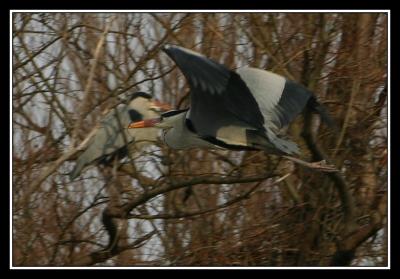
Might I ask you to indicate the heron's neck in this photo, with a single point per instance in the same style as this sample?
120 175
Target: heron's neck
180 136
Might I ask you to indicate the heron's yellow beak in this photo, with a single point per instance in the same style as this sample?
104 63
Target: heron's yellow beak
159 106
145 123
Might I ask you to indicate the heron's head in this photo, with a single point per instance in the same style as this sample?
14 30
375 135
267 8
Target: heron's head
167 120
143 104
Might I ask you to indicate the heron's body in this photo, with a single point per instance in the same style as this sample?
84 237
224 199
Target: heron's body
181 137
111 138
240 110
234 137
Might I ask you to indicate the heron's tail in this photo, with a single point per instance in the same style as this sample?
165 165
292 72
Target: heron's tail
271 143
317 107
80 164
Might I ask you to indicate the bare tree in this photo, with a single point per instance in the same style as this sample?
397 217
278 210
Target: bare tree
197 207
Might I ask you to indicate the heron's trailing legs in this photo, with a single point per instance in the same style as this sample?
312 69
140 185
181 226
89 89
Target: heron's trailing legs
321 165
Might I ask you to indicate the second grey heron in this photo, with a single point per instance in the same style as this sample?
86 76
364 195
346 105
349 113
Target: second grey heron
107 141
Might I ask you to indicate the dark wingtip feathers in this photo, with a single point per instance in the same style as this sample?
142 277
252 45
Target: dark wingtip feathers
317 107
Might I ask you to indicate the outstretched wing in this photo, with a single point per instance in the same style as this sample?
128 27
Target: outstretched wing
280 100
250 98
219 97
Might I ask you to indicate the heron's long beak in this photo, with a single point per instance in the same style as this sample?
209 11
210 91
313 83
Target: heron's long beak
159 106
145 123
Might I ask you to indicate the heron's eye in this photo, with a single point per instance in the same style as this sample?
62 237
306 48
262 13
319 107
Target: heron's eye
156 109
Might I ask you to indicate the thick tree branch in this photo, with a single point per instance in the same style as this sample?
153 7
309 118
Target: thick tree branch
103 255
181 214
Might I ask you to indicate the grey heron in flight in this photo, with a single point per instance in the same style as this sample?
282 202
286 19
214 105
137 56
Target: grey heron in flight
107 141
237 110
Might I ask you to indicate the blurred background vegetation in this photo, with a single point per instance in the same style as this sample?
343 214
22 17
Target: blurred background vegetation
197 207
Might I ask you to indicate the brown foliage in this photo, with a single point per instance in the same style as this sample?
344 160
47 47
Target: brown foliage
198 207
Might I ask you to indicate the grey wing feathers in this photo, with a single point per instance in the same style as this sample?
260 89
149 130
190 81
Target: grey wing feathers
218 95
251 98
280 100
292 102
283 145
107 140
200 71
111 137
